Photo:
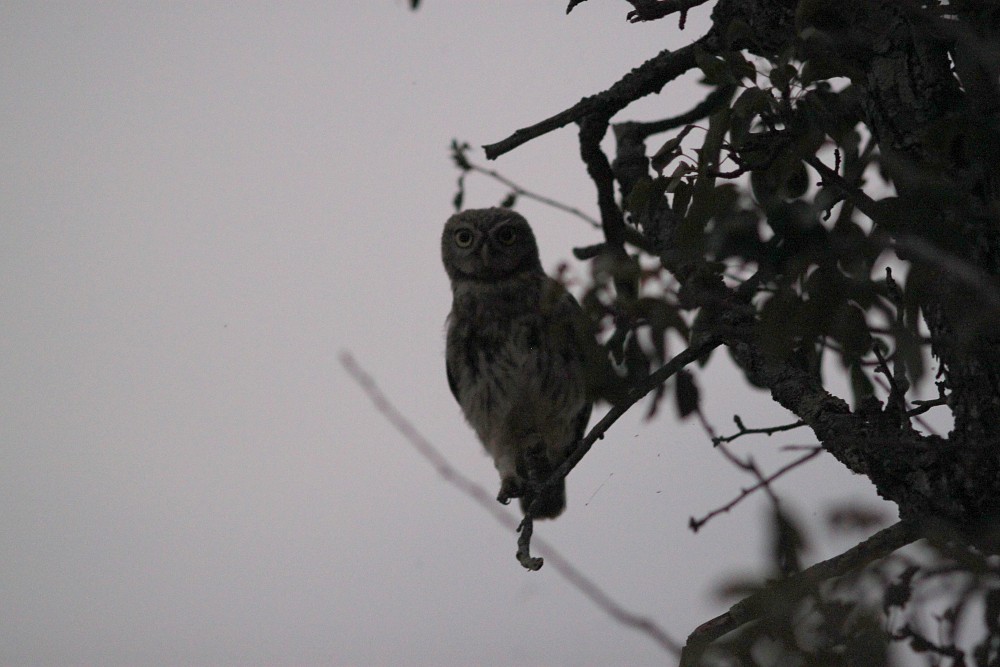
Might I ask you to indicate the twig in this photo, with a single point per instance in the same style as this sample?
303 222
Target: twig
764 483
655 379
924 406
884 385
647 78
715 99
755 606
483 498
743 430
521 192
895 394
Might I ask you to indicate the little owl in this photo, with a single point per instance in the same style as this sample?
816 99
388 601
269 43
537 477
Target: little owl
517 352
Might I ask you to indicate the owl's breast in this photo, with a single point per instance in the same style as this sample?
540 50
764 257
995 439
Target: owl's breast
521 373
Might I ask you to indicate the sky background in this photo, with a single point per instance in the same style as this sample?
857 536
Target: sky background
203 205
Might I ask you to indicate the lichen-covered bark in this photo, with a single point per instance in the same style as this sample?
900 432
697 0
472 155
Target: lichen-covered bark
909 95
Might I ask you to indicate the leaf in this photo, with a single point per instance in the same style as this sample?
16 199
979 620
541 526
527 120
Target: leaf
849 516
654 403
787 542
782 75
751 103
861 385
458 151
708 202
669 150
898 593
681 198
718 125
779 328
687 394
460 195
739 66
716 70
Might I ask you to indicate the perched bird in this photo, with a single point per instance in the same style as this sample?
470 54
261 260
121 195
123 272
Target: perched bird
518 349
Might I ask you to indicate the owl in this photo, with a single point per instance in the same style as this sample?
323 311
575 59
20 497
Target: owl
518 346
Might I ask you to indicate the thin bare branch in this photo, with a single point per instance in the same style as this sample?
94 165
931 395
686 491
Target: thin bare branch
743 430
522 192
895 393
924 406
483 498
764 483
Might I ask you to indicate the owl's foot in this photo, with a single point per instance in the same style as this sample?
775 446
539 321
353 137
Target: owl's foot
510 487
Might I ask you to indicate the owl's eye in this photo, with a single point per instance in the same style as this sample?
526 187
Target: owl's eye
506 235
463 238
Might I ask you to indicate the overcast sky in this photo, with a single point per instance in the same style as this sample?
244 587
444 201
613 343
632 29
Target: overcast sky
203 205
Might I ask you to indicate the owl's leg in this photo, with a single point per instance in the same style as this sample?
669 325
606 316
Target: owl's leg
510 487
511 484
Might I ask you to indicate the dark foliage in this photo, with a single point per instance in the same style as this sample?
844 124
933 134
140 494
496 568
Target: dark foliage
839 137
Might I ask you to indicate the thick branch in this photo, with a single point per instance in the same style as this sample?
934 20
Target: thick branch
756 606
651 10
592 130
644 80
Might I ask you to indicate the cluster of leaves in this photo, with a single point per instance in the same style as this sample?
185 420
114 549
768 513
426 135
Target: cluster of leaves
810 258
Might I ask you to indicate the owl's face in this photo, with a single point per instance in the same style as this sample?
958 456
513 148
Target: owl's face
488 244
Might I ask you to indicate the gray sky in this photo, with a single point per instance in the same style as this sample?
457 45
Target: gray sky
202 204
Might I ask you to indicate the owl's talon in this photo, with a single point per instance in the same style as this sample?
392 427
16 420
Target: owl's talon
510 488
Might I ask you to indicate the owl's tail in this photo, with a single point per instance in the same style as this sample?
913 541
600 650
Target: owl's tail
534 465
551 502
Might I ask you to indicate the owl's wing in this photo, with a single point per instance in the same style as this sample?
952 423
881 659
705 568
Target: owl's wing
452 382
601 379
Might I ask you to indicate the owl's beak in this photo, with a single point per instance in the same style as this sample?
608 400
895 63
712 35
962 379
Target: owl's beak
485 255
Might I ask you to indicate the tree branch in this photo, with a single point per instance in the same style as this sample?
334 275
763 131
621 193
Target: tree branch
651 10
743 430
592 130
696 524
644 80
655 379
483 498
757 605
643 129
520 191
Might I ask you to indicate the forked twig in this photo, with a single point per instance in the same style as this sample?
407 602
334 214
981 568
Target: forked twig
762 483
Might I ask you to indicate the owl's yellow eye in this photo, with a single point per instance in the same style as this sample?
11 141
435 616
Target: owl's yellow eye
463 238
506 235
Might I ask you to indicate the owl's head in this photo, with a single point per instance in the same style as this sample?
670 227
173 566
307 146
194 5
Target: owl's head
488 244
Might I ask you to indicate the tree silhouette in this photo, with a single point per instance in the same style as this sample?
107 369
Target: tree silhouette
834 197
